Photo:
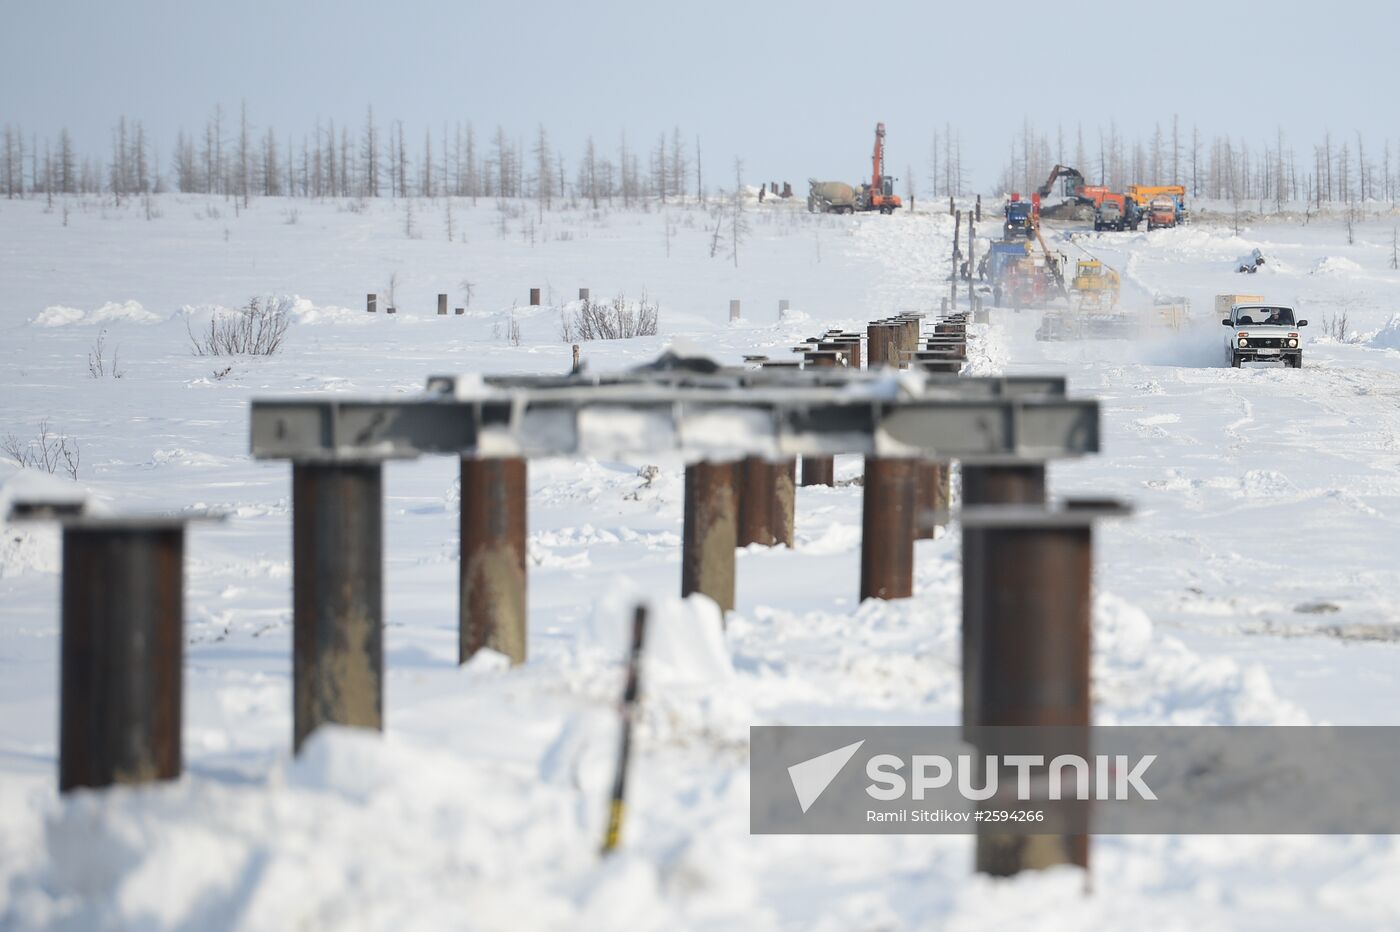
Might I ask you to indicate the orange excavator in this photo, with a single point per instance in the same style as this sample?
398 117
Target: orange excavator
879 194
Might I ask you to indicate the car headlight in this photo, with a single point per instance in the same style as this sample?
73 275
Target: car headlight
1292 343
1243 342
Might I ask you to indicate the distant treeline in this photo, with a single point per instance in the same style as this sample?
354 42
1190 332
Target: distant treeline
229 156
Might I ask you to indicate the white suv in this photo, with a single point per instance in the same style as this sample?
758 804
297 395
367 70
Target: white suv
1264 333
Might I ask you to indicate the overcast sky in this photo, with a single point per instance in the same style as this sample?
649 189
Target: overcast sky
793 88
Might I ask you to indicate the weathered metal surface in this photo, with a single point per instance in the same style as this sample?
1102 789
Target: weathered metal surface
492 572
1033 666
820 470
757 508
770 420
881 345
887 529
710 531
337 596
121 654
785 502
986 485
931 497
773 374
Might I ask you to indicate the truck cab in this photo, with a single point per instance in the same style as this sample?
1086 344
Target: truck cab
1161 212
1109 215
1264 333
1018 220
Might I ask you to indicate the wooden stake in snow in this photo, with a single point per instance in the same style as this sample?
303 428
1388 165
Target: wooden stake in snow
630 694
734 309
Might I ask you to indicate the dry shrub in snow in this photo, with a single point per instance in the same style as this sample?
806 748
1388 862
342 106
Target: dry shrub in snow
255 330
619 320
51 452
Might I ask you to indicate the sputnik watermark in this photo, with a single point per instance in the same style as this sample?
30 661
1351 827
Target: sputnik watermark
1109 776
1113 776
1074 780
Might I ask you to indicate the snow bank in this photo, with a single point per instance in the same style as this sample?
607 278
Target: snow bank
1142 677
110 313
685 643
1334 265
300 310
1388 337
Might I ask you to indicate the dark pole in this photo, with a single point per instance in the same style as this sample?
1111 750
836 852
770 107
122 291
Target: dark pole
492 578
1035 664
876 353
337 596
887 529
630 693
1022 483
819 470
757 506
953 280
710 533
121 653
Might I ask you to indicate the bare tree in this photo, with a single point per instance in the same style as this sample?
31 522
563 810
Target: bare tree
738 224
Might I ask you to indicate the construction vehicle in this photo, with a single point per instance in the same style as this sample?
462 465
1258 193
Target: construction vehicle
879 194
1161 212
1095 286
1073 182
1022 217
830 197
837 197
1001 256
1109 215
1142 196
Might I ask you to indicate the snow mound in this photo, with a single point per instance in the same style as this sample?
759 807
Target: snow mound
298 309
110 313
685 643
1388 337
1144 677
1334 265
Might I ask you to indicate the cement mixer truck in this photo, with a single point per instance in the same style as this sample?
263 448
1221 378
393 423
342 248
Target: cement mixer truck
830 197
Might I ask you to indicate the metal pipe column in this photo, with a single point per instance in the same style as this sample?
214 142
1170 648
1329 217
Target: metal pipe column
492 581
338 596
122 649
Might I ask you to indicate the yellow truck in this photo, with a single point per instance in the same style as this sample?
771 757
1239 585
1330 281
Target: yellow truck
1142 195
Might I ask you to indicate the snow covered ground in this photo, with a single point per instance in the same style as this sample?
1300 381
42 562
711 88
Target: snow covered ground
1253 586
